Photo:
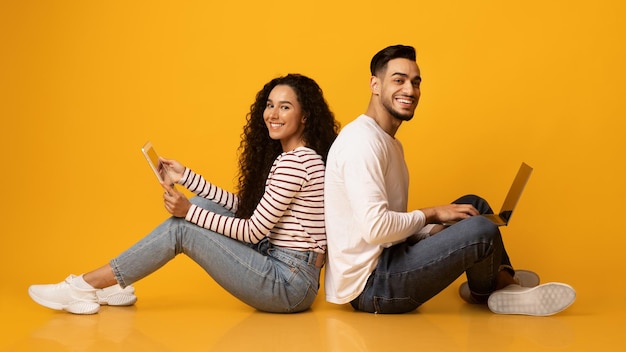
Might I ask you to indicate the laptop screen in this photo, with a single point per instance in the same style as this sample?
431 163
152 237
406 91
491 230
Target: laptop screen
515 192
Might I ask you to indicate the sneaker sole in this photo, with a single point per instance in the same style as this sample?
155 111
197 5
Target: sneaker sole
74 307
542 300
118 300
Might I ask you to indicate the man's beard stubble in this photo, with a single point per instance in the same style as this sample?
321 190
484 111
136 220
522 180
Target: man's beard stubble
397 114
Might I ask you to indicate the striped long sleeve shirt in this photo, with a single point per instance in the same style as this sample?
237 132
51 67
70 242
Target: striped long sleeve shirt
290 213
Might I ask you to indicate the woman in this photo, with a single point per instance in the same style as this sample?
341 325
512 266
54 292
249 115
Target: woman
265 245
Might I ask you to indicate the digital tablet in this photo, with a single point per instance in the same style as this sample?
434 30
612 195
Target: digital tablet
153 160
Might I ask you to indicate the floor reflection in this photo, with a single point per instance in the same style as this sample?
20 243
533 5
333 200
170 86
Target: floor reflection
112 329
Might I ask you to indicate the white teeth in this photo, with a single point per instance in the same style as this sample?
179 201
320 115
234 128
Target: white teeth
404 101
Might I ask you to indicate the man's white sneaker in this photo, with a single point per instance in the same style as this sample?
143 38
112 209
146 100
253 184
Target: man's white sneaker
117 296
542 300
66 296
526 278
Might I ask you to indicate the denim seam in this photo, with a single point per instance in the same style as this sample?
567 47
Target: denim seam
448 254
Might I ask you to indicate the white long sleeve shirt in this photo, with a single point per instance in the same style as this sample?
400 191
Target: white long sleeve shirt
366 195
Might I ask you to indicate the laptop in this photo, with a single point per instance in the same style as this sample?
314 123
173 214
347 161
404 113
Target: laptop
503 217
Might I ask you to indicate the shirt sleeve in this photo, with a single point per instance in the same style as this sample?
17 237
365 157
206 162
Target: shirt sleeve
202 188
285 181
366 187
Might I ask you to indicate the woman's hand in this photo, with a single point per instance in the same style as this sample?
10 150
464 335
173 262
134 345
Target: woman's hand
175 202
171 170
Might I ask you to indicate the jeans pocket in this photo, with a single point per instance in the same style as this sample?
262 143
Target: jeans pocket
394 305
304 298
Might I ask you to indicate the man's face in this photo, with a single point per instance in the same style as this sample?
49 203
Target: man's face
400 88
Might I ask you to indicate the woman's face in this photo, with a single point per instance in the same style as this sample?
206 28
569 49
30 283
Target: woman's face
283 117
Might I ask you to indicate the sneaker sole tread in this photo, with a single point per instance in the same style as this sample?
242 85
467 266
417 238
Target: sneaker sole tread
118 300
76 307
543 300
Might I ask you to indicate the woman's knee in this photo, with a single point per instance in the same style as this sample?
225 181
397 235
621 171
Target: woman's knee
198 201
210 205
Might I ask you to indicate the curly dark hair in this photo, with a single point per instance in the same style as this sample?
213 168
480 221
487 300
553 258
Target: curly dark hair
258 151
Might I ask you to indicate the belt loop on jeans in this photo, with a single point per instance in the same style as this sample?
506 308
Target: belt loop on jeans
320 259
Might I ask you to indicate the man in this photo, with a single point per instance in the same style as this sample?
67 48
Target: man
385 259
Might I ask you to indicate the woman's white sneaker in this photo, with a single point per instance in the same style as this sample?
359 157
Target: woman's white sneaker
117 296
542 300
65 296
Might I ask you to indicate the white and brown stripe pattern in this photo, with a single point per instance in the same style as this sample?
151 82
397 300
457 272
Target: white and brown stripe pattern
290 213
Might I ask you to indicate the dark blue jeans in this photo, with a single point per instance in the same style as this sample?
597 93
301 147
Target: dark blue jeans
409 274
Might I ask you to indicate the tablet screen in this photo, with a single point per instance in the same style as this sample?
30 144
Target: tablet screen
153 159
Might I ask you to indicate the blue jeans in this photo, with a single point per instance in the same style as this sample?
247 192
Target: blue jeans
409 274
266 277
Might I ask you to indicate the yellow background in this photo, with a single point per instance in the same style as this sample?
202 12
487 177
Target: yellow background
84 84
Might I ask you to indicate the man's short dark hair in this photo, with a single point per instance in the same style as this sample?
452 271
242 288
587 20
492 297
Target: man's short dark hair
380 60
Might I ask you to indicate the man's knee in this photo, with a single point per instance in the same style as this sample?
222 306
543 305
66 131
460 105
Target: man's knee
481 225
479 203
468 199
